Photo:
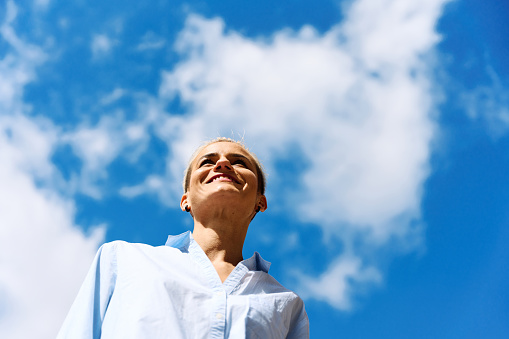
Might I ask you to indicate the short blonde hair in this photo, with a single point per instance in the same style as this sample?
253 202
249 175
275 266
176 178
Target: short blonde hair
259 169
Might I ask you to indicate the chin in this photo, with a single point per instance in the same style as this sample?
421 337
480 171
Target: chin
226 192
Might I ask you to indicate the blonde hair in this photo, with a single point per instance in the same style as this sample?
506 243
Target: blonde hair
259 170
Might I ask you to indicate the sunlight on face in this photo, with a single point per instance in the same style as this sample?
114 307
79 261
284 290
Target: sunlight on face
223 166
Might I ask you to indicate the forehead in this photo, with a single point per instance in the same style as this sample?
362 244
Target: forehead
224 148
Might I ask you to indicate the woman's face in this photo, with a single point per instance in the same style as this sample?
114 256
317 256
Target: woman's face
223 173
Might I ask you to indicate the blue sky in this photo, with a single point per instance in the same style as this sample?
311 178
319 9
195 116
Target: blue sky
383 126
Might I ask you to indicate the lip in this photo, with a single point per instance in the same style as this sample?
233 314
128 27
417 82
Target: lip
223 175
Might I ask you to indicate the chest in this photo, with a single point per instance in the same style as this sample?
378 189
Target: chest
178 298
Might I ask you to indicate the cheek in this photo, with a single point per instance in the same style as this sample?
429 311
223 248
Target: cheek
197 175
251 179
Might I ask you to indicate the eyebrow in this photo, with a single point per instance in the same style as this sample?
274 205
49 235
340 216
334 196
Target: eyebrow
215 154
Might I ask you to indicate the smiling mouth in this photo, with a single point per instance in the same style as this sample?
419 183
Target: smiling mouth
222 177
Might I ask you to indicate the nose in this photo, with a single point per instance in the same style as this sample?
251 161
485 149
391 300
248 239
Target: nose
223 163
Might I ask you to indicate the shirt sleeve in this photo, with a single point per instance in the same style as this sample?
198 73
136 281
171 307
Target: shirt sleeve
299 328
85 317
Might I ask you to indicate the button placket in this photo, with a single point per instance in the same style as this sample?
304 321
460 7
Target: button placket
219 313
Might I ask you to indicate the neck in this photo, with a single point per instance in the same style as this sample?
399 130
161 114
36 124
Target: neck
222 241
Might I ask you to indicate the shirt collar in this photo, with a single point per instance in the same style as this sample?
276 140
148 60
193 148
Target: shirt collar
182 242
257 263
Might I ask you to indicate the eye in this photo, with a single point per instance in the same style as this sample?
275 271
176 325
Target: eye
240 162
205 162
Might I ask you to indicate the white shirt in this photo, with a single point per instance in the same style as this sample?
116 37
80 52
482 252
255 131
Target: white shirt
173 291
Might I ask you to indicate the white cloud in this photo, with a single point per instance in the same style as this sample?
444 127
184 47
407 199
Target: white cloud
18 64
115 95
363 133
150 41
43 254
357 102
342 279
98 146
41 4
101 45
152 184
489 104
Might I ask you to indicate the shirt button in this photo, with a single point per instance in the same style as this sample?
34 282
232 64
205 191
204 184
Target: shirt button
219 315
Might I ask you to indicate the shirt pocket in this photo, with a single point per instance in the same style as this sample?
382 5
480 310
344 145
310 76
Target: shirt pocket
264 319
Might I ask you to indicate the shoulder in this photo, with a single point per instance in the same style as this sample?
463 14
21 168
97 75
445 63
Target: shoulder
137 254
118 246
118 249
121 245
271 285
266 286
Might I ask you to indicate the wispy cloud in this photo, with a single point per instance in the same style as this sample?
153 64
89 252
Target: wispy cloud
150 41
355 106
98 146
18 65
44 254
340 282
356 102
106 39
42 4
115 95
101 45
489 104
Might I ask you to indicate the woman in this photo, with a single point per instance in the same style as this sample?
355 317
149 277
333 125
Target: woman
198 285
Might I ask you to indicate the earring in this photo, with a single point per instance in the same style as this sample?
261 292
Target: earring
187 208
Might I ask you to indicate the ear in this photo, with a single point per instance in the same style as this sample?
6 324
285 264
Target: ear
184 202
262 203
